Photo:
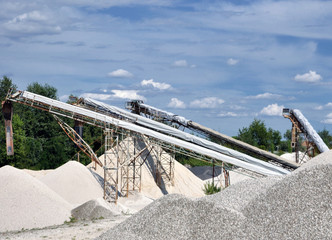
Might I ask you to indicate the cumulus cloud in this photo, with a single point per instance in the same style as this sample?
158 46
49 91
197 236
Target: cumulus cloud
158 85
232 61
120 73
272 110
31 16
97 96
328 119
176 103
208 102
227 114
310 77
329 105
30 23
127 94
120 94
265 96
318 107
180 63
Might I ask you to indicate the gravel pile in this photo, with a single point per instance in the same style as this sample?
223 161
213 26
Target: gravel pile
25 202
74 182
177 217
95 209
297 206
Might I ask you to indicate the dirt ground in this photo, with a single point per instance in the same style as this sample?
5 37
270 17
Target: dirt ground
74 231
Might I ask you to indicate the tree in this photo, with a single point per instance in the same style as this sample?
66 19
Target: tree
258 135
6 84
326 137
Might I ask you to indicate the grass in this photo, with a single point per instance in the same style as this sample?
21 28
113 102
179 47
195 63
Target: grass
71 220
210 188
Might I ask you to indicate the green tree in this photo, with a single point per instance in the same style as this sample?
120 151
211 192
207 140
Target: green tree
258 135
6 84
326 137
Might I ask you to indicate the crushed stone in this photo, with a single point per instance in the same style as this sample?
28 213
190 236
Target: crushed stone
296 206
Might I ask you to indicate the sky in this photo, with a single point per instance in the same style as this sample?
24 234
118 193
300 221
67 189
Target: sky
219 63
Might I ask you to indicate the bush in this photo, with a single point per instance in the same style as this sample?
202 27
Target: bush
210 188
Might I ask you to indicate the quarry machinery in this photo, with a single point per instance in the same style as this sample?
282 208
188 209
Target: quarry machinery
138 107
156 139
300 125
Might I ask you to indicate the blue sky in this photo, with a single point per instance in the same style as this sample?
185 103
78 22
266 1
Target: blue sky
219 63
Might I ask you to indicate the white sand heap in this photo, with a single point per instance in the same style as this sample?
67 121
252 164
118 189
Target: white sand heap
303 158
185 182
296 206
38 173
74 182
25 202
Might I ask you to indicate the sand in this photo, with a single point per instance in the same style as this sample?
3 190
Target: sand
74 182
28 203
292 157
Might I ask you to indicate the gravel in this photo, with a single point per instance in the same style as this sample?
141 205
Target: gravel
95 209
297 206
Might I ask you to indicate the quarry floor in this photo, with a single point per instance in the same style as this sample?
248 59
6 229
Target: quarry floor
69 231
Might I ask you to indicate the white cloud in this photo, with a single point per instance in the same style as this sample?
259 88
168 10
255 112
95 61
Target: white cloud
97 96
272 110
228 114
160 86
328 121
176 103
128 94
320 107
31 23
329 115
64 98
232 61
310 77
265 96
31 16
329 104
120 73
122 94
208 102
181 63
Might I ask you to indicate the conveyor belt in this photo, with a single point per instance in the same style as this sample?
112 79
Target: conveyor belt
101 120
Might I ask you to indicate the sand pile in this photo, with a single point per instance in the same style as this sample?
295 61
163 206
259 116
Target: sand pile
297 206
303 158
38 173
74 182
185 182
95 209
25 202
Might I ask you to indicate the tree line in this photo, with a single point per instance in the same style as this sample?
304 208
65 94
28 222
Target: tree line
40 143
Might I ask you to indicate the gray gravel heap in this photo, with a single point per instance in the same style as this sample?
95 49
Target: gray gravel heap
297 206
94 209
